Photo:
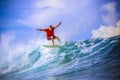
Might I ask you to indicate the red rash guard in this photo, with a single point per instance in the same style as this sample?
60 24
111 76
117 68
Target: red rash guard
49 33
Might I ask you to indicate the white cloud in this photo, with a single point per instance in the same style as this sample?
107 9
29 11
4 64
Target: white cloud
111 16
44 12
112 27
48 3
106 31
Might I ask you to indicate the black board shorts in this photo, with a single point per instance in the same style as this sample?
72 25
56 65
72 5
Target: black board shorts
49 38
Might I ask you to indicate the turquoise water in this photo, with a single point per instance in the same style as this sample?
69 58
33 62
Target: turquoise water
91 59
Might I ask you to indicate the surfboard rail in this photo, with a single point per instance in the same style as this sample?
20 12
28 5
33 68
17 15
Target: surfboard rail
52 46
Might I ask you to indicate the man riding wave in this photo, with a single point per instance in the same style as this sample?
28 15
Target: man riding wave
50 32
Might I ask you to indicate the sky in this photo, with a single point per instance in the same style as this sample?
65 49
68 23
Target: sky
81 19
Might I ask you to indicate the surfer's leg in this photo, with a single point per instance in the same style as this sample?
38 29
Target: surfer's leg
52 38
56 37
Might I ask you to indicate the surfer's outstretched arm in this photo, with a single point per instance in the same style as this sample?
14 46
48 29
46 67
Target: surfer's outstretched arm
40 29
58 24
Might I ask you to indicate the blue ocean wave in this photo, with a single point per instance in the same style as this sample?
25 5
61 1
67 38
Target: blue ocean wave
91 59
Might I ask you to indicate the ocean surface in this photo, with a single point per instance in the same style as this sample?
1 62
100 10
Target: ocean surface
91 59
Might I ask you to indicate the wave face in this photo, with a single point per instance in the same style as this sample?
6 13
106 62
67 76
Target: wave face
92 59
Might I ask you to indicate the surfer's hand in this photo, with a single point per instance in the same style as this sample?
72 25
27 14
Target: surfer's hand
40 29
60 22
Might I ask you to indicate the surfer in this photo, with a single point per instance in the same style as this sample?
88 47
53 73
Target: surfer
50 32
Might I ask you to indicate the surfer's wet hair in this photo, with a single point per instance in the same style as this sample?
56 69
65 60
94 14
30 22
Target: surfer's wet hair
50 26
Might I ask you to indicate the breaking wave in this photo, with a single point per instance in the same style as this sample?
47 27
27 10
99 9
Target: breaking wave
91 59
